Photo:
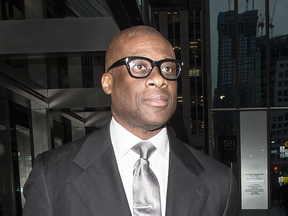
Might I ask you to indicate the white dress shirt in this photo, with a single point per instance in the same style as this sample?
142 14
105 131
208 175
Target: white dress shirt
123 141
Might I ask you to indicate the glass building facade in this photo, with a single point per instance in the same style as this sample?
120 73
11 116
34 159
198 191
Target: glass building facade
248 82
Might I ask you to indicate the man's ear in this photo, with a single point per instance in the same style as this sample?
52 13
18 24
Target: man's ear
106 82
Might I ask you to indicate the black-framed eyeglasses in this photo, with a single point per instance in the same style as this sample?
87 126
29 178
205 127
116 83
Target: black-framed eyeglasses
141 67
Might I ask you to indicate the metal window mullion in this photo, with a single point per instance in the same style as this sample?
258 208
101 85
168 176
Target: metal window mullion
236 38
195 76
267 40
12 175
268 94
206 75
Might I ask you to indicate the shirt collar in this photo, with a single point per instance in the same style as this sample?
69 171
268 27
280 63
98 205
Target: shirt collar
123 140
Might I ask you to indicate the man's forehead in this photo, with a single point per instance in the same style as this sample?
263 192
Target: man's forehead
129 44
124 39
127 40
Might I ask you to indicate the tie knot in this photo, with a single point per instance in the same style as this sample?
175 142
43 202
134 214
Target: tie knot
144 149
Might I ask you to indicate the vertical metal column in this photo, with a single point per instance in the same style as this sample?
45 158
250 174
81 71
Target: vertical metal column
40 129
238 141
9 151
98 63
195 77
163 27
184 43
206 73
268 95
267 42
75 75
35 9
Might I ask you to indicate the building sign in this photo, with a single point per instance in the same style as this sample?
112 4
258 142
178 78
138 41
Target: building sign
254 183
286 153
282 152
253 157
227 148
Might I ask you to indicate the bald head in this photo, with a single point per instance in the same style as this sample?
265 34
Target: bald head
115 46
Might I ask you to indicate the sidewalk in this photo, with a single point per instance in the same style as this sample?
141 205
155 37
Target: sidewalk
281 211
256 212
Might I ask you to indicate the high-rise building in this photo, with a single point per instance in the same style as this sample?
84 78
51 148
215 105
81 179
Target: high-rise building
247 28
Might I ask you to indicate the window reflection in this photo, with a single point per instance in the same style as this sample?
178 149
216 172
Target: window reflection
225 138
278 153
263 73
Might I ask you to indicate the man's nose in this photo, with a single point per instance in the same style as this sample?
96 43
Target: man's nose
156 79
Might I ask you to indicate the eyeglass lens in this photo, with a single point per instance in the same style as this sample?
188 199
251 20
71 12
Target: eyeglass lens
142 67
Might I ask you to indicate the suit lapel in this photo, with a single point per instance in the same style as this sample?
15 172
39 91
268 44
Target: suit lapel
99 185
186 194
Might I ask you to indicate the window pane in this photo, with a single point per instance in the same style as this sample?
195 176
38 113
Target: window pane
225 134
250 92
6 181
20 130
278 154
223 54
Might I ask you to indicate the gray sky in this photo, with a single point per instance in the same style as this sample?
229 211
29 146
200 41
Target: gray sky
280 22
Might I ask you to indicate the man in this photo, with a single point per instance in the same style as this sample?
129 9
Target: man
94 175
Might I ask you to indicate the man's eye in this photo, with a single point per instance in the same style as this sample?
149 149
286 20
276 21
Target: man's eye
139 66
168 67
167 70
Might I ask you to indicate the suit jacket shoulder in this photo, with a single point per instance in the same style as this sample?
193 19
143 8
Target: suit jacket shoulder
79 178
198 184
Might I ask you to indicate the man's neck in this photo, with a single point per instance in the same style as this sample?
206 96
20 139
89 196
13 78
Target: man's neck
141 132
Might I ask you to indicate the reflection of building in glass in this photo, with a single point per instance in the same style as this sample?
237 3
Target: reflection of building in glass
279 152
278 89
225 93
247 24
279 133
281 83
279 94
256 90
279 70
223 96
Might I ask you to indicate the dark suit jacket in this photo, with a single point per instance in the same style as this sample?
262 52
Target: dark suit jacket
82 178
